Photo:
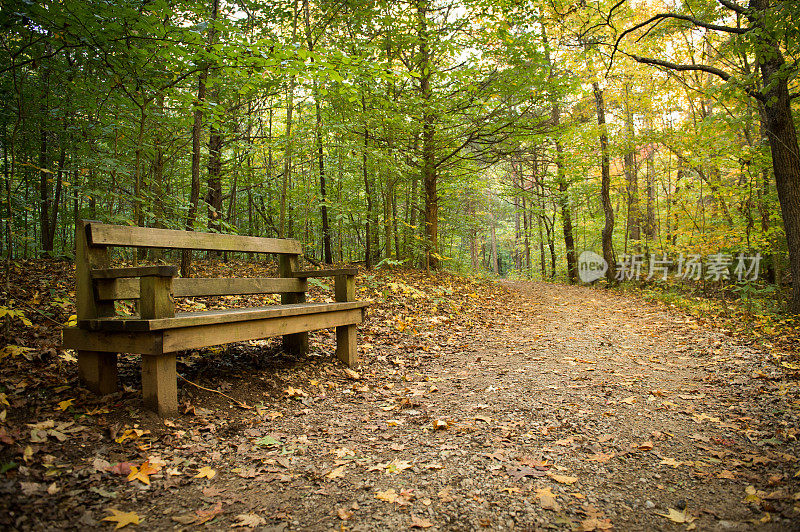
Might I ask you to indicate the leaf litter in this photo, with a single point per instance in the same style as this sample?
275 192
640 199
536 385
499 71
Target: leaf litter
463 410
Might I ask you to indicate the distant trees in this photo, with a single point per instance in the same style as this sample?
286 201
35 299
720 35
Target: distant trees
435 133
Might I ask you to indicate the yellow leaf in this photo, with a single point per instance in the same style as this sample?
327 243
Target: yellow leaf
4 399
677 516
439 424
336 473
547 499
63 405
352 374
397 466
122 518
143 472
206 472
344 514
629 400
563 479
131 434
671 462
419 522
389 495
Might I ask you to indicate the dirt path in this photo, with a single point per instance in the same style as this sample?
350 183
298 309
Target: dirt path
556 408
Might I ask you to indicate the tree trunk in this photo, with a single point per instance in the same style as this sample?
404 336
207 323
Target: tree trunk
197 129
429 171
214 193
605 187
631 180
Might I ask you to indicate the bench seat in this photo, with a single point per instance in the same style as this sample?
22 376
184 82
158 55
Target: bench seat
210 317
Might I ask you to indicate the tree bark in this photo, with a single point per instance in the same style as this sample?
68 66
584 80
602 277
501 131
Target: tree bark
197 130
605 187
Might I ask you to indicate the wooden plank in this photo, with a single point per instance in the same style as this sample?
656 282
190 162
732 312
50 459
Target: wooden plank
148 237
346 349
344 287
145 343
162 270
209 317
160 384
325 273
98 371
223 333
293 343
156 298
200 287
86 259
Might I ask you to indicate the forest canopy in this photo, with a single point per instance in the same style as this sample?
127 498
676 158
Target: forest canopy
477 135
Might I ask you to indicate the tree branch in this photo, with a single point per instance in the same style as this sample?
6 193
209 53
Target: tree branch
733 6
697 67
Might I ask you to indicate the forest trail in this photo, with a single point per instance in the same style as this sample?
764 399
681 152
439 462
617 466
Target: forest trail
574 408
536 406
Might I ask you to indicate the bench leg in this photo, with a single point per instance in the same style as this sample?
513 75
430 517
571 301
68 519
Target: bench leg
160 383
346 345
296 344
98 371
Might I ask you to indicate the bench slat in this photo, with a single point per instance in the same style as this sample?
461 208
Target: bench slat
182 338
147 237
325 273
224 333
135 271
200 287
207 317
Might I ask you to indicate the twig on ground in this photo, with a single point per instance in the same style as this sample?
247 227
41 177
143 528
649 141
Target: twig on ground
238 403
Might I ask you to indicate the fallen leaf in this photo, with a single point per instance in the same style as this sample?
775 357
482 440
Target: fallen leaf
419 522
563 479
336 473
131 434
249 520
677 516
629 400
726 474
646 446
439 424
143 472
205 472
207 515
352 374
397 466
122 468
344 514
601 457
389 495
671 462
122 519
547 499
63 405
595 523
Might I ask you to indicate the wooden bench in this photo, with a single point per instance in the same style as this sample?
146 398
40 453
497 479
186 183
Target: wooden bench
158 332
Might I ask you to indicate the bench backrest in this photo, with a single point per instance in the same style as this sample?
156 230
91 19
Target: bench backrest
99 234
95 297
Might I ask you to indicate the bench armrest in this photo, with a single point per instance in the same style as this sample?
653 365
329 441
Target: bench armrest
137 271
325 273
